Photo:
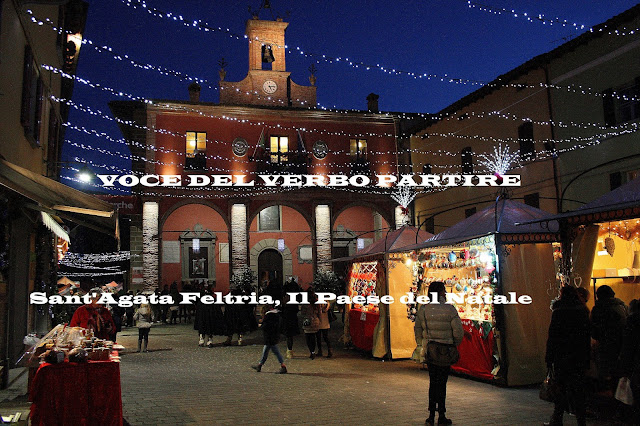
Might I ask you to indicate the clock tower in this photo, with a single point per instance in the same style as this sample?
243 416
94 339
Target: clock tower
268 82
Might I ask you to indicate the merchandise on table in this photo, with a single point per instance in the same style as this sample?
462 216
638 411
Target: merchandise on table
73 343
469 270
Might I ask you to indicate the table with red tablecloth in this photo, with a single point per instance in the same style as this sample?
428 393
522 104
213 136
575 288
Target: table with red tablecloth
476 350
77 394
361 327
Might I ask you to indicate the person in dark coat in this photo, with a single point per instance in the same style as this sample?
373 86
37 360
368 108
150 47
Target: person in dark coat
165 308
289 314
608 320
630 357
568 353
209 319
239 318
271 332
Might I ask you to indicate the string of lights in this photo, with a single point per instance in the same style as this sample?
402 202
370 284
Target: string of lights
625 128
206 27
117 256
541 18
87 274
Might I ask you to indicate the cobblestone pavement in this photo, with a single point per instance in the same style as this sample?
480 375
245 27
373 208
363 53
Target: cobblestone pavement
178 382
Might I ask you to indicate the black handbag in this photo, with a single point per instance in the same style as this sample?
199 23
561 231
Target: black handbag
442 354
550 390
331 315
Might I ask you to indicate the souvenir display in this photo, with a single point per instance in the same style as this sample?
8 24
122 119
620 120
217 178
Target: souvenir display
362 282
73 343
467 271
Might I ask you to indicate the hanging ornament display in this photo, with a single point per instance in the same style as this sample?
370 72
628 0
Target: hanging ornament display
609 246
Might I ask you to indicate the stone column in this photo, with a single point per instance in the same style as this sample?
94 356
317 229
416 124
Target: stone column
238 237
323 237
150 244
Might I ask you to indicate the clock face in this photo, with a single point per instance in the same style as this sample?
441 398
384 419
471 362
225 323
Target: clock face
320 149
239 147
269 87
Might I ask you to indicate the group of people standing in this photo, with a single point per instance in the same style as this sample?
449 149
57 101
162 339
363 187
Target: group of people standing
210 320
610 332
316 322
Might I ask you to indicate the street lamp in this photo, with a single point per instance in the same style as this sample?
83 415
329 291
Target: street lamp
85 175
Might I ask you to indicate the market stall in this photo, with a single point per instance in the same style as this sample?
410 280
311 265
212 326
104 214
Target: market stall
488 257
367 325
75 379
604 241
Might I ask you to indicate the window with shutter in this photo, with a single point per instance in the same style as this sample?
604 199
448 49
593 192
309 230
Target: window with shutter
525 138
32 92
466 158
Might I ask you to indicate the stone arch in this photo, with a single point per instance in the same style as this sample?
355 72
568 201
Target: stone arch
174 231
271 243
386 215
188 201
305 214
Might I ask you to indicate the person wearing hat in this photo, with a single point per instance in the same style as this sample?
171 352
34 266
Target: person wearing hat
95 316
608 319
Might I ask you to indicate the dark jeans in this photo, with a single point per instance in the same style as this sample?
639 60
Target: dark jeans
143 333
311 341
573 386
438 377
321 335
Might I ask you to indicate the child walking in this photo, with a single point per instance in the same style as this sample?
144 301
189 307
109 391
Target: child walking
271 331
143 320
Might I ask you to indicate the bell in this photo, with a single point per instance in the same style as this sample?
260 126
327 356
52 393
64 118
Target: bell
267 54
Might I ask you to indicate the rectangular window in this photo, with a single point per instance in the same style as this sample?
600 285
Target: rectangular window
359 148
466 159
32 90
269 219
53 144
624 105
532 200
525 137
279 149
615 180
195 152
429 225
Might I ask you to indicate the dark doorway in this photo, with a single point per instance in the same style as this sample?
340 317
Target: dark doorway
270 267
340 268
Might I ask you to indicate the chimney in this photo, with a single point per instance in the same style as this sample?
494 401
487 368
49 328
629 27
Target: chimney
194 92
372 102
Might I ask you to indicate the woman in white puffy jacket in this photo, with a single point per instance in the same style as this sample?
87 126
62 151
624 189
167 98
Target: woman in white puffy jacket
439 323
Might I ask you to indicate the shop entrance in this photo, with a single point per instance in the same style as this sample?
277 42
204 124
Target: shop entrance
270 267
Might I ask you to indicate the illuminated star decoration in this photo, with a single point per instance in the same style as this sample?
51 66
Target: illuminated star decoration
499 162
404 196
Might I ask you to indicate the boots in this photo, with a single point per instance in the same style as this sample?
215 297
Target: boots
210 342
257 367
283 369
144 346
139 344
289 353
201 341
